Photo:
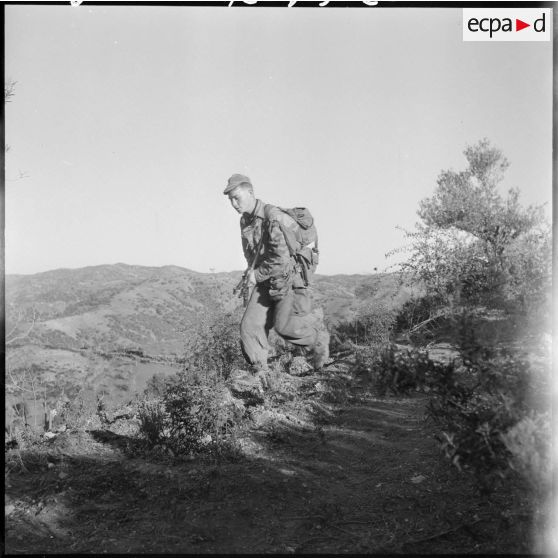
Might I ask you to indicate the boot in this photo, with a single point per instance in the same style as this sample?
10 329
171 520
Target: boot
321 350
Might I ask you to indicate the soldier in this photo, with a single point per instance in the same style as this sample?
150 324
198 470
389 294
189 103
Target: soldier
279 297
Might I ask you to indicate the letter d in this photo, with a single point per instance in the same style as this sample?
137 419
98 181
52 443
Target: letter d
541 20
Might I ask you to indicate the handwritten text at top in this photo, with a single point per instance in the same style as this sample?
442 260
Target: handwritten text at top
293 2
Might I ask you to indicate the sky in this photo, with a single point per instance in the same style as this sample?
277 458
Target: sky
128 120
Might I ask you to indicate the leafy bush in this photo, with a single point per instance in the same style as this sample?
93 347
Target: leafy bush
214 345
476 405
529 270
372 324
193 411
401 371
198 415
195 414
153 418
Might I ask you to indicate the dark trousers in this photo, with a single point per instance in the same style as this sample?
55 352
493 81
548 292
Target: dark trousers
291 317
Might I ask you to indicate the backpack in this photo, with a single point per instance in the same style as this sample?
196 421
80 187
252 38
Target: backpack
302 241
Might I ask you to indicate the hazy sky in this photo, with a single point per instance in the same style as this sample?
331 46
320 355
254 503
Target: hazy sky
127 122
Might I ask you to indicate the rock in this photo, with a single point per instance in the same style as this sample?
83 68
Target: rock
9 509
245 386
299 367
62 475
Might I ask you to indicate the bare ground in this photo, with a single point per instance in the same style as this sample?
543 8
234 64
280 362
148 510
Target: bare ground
337 470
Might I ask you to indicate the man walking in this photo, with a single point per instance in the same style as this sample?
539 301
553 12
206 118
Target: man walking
280 298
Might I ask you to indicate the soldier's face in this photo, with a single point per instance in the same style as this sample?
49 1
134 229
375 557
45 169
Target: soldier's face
242 200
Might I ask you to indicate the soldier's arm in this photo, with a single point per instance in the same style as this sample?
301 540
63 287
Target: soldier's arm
276 258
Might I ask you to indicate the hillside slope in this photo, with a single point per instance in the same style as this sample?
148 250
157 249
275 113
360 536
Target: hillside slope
111 327
116 306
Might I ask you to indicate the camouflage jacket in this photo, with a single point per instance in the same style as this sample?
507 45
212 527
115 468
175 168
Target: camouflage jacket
274 259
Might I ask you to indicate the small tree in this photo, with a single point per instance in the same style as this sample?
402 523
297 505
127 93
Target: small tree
213 344
473 245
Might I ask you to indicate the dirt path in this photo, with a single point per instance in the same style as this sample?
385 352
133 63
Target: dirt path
359 475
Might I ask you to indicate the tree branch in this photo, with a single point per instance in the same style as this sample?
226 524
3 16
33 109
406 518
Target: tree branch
431 319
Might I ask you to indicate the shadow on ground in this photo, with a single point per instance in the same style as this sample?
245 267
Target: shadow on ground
364 476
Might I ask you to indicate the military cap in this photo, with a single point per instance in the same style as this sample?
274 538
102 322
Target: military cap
236 180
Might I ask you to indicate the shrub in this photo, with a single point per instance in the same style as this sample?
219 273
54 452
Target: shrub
401 371
476 406
214 345
472 435
372 324
528 271
193 411
198 412
152 417
194 415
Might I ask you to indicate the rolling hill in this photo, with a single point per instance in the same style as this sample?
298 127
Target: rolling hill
112 326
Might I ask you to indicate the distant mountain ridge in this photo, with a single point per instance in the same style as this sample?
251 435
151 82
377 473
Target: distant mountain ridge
128 306
114 306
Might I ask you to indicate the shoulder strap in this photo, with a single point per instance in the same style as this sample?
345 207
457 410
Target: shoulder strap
257 251
270 211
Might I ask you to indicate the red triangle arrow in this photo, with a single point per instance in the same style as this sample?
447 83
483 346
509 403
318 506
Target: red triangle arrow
519 25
